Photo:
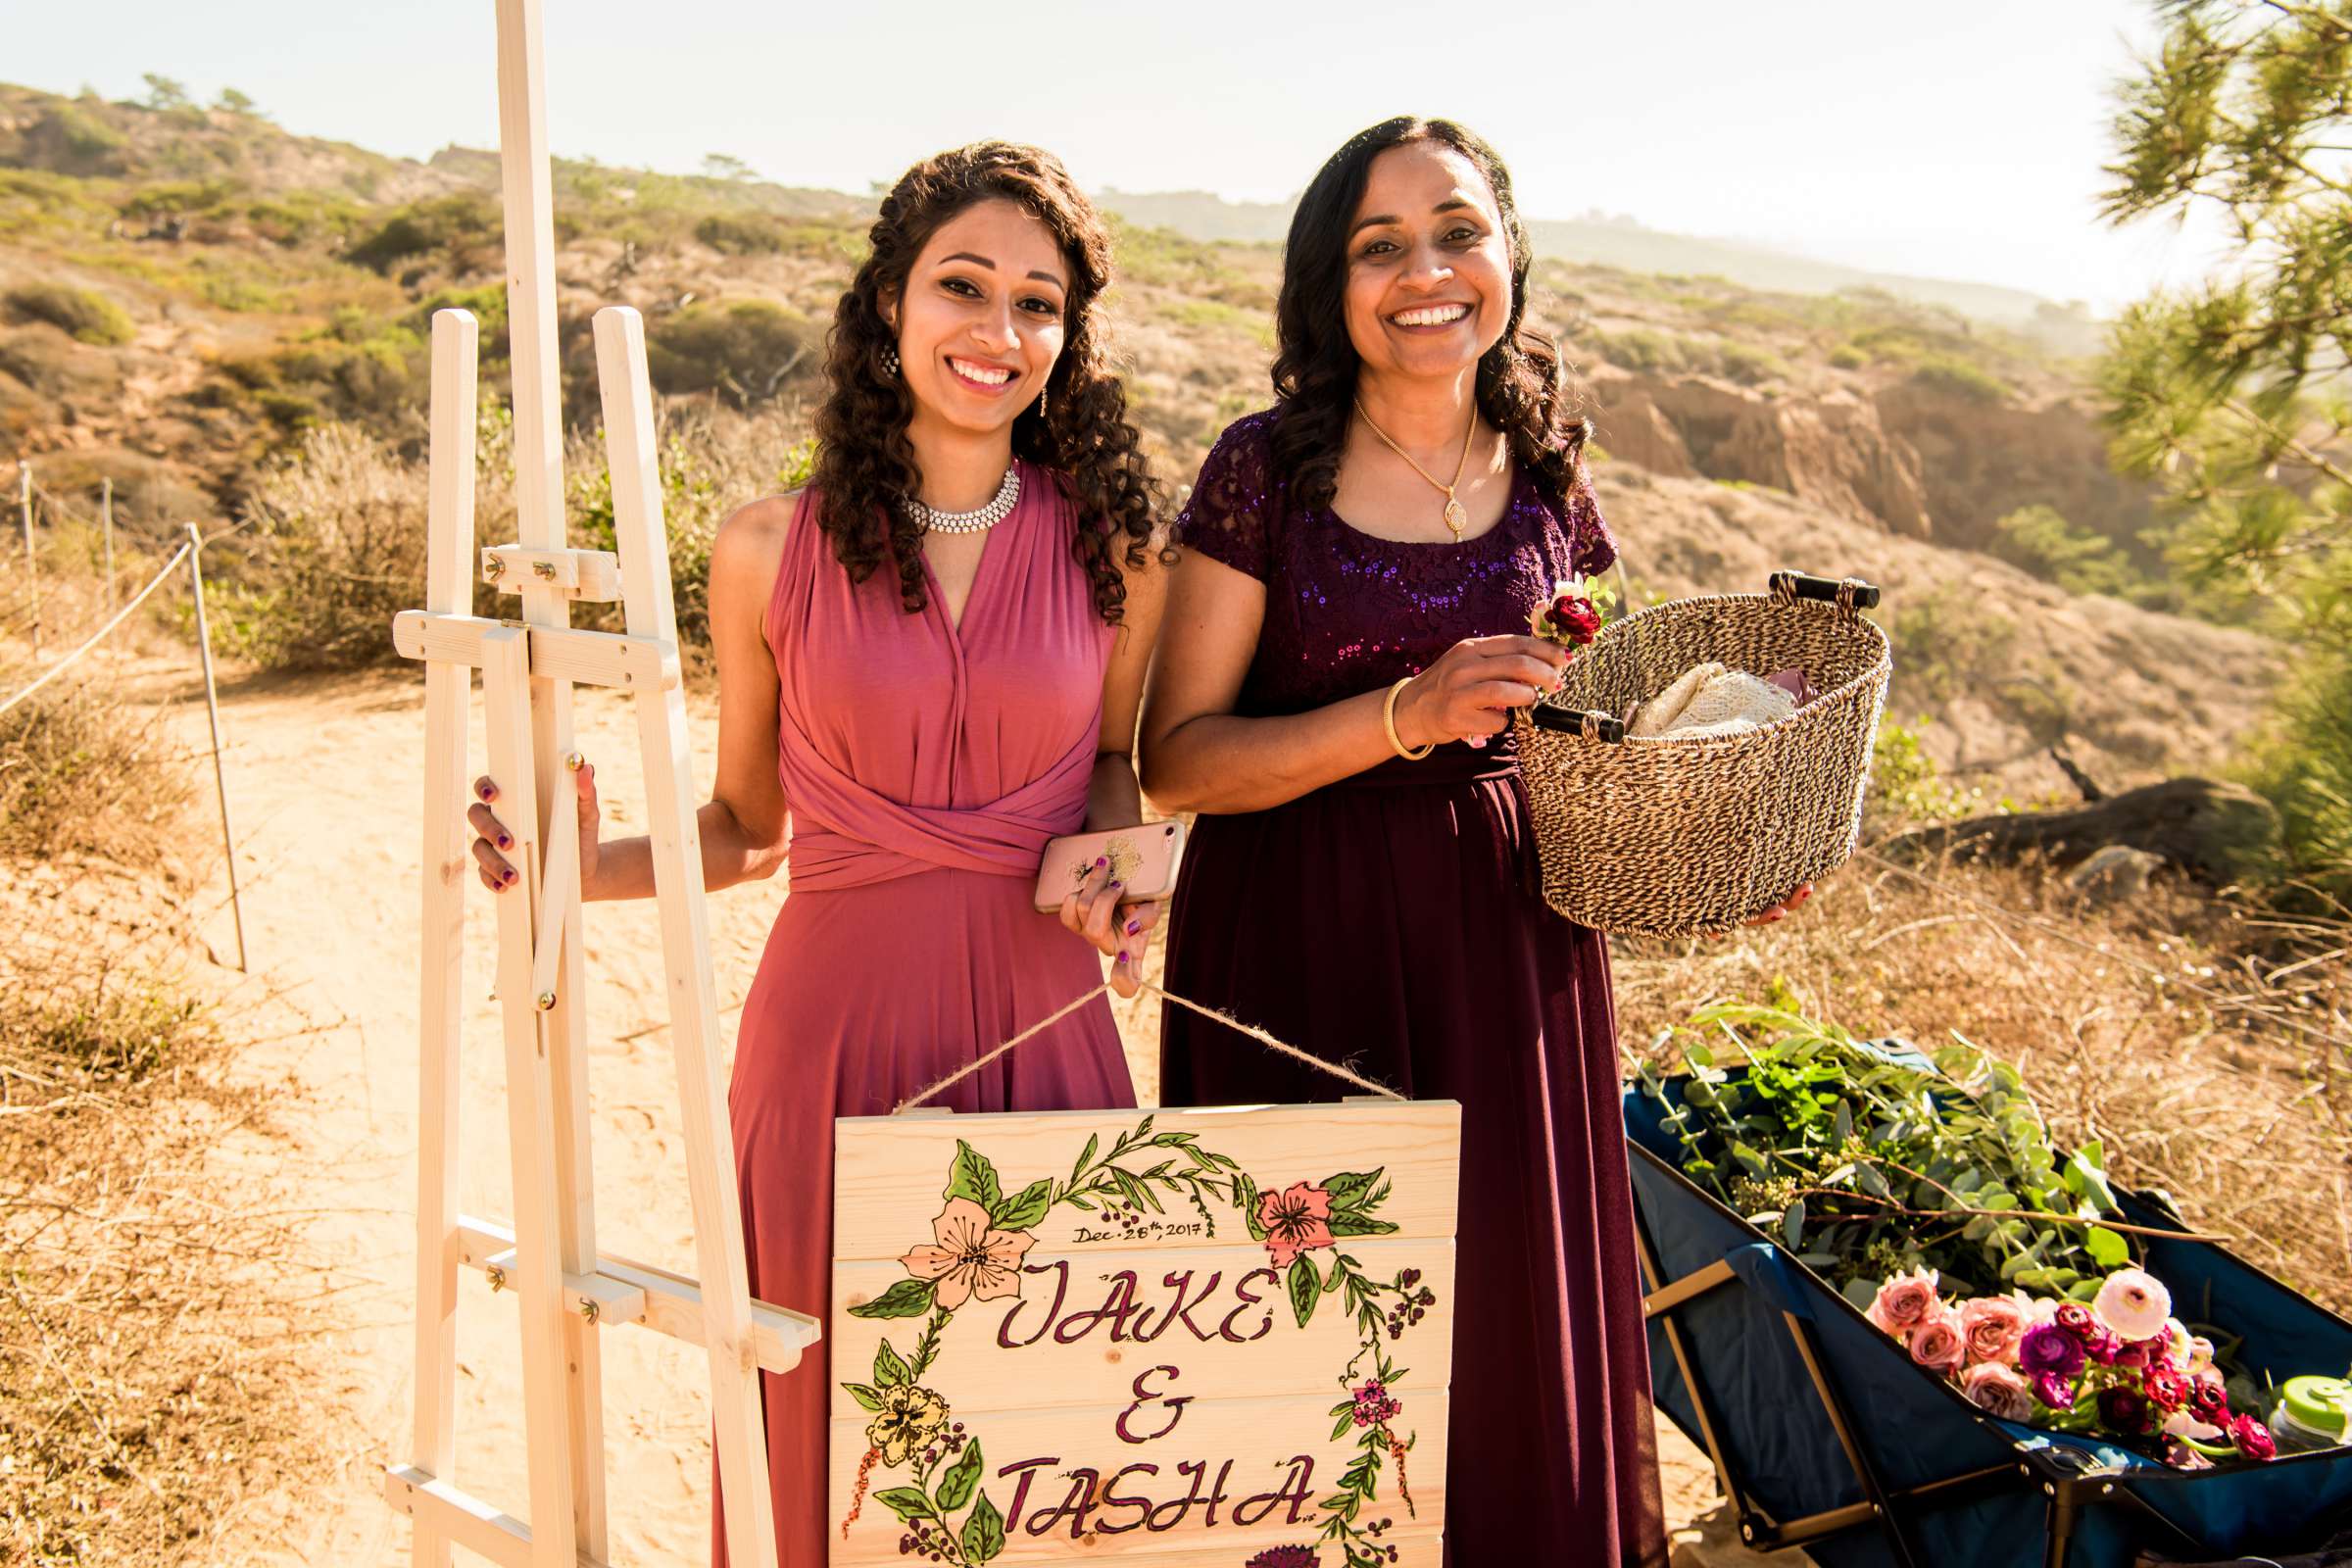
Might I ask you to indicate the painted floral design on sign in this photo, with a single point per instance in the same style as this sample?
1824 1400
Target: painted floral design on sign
930 1464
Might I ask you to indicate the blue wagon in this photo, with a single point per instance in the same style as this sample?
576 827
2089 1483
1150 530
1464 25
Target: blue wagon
1825 1437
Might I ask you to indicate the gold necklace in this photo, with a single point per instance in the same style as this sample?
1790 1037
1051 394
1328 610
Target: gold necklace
1455 518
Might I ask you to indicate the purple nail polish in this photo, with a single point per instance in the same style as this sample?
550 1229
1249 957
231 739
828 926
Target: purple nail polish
1132 926
1123 955
1100 862
1114 882
506 840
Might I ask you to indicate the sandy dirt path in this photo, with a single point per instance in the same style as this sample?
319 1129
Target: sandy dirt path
325 781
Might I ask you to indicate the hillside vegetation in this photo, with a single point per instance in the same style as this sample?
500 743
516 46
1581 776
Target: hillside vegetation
189 297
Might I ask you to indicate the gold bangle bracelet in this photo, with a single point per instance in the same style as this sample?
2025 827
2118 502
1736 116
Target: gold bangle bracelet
1387 719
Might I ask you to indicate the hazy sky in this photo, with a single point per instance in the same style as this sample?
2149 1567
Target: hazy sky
1954 141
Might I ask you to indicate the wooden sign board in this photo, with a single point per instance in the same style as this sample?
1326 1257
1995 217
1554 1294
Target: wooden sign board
1188 1337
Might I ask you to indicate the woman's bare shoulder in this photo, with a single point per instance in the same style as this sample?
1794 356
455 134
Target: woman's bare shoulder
750 540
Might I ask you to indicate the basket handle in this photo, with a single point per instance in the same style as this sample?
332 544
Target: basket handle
1849 595
1592 725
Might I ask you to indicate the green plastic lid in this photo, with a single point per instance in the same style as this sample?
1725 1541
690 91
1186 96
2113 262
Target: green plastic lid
2322 1404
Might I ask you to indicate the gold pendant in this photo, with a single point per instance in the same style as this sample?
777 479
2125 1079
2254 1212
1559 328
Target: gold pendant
1455 518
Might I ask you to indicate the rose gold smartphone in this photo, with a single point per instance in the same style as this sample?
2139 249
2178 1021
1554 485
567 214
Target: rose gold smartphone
1144 858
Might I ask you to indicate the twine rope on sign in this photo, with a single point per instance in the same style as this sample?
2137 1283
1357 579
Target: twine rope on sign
1225 1018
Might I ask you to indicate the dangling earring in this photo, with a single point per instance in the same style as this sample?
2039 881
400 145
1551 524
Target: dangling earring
890 361
1041 406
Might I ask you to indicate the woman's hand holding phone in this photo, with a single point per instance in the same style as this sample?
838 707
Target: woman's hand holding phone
1121 931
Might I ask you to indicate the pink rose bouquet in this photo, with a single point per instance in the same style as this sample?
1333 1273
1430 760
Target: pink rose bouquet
2120 1366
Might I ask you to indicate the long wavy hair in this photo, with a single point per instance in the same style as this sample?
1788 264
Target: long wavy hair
865 465
1522 387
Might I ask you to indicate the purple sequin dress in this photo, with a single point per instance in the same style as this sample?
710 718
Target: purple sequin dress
1387 920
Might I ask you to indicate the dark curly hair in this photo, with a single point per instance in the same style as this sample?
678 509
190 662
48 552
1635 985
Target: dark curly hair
865 465
1522 388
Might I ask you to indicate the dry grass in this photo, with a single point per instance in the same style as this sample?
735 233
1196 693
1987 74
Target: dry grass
2180 1031
148 1319
150 1307
80 774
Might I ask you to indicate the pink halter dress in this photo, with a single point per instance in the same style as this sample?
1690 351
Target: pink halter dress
926 764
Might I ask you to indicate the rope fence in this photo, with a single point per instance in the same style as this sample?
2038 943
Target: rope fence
188 552
100 635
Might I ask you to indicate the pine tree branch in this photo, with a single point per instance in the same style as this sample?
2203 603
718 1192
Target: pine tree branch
2317 462
2314 13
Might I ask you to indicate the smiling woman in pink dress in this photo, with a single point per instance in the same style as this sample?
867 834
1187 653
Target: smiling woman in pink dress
929 663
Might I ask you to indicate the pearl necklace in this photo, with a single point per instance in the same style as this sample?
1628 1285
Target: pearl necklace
933 521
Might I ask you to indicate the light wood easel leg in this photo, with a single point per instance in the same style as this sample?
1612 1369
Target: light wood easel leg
644 546
529 205
538 1273
447 689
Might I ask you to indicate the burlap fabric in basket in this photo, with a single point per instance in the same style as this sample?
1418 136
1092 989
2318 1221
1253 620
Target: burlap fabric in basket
1676 837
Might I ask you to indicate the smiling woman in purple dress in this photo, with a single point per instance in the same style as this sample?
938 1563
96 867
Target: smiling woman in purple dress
929 664
1334 673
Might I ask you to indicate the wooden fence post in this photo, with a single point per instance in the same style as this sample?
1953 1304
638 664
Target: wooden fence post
212 709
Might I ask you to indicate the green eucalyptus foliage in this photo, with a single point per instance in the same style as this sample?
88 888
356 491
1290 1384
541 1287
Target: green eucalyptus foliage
1864 1165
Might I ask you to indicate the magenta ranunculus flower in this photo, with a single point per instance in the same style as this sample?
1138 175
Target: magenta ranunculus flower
2131 1354
2252 1438
2123 1410
1937 1343
2134 1304
2075 1318
2166 1389
1998 1390
2102 1345
2047 1348
1992 1325
2053 1391
1903 1303
2209 1399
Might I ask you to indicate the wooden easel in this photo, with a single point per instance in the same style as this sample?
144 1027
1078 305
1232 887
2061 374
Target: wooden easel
568 1291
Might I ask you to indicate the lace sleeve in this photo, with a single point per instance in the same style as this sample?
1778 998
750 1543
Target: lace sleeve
1228 516
1592 548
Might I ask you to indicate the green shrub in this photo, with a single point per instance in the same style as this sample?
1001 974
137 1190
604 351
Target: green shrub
1644 348
334 549
188 198
1751 366
87 145
742 349
1907 789
1847 357
488 304
467 225
91 318
1944 372
741 233
2045 543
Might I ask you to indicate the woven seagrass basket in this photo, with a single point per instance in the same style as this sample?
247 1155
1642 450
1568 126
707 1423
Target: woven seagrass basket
1677 837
